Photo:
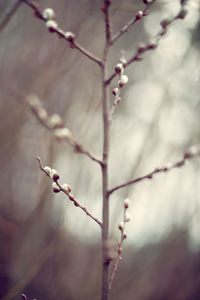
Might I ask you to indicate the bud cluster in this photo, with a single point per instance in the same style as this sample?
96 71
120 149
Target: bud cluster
54 122
121 225
55 177
49 17
123 79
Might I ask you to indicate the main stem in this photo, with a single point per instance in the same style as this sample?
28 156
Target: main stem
105 211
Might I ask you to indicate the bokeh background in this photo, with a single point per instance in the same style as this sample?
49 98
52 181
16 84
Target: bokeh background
48 248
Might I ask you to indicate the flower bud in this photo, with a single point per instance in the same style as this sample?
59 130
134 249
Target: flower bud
34 101
62 134
139 15
121 226
47 170
66 187
51 25
56 188
53 173
42 114
126 203
55 121
48 14
115 91
119 68
69 36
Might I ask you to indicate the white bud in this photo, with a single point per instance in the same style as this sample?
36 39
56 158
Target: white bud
62 134
119 68
121 226
127 217
123 61
115 91
56 188
124 78
55 121
69 36
34 101
53 172
42 114
51 24
48 14
66 187
48 170
126 203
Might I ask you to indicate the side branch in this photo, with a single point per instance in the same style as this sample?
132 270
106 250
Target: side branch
152 45
53 123
54 176
62 34
193 153
136 18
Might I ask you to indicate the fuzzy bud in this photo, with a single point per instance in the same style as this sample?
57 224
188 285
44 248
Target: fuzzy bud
121 226
139 15
67 188
56 188
123 80
55 121
42 114
123 61
126 203
34 101
62 134
53 173
119 68
48 14
115 91
51 25
69 36
47 170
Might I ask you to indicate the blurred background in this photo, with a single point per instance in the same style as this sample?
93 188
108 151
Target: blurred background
48 248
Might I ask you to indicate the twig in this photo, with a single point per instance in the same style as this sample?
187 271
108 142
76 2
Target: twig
121 227
136 18
70 196
194 153
61 34
9 14
152 44
40 113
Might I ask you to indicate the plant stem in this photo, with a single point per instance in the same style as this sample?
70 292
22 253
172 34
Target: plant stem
105 210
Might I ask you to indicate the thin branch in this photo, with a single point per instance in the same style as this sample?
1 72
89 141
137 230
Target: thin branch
70 196
9 14
105 9
152 45
41 115
136 18
61 34
121 227
194 153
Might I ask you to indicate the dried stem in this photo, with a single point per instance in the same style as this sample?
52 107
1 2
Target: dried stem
70 196
187 156
61 34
